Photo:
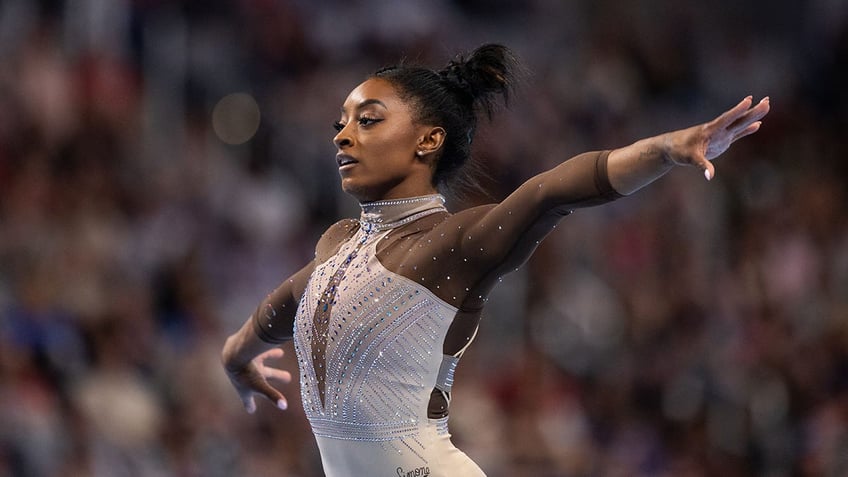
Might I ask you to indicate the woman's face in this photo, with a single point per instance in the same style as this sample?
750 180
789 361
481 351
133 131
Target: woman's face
379 144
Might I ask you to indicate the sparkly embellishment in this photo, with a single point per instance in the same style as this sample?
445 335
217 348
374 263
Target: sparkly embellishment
444 381
388 214
387 332
321 320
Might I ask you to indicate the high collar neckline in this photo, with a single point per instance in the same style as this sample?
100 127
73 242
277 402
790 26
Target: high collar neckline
388 214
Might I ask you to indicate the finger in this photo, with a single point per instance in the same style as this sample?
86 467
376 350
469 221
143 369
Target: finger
277 374
751 129
706 166
762 108
731 115
249 404
271 393
754 114
709 170
273 353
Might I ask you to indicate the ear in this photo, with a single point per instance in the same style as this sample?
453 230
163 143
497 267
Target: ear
431 142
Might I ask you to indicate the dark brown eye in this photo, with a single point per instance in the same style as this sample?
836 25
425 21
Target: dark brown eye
363 121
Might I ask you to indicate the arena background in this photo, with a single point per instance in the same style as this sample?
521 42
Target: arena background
165 164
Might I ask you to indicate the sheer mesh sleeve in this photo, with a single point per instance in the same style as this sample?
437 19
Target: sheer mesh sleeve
501 237
273 320
460 257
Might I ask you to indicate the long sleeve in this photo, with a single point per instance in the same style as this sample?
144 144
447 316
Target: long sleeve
273 320
501 237
460 257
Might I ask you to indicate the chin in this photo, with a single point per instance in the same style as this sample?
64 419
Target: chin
369 191
358 191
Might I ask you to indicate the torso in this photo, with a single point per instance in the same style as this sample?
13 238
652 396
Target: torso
369 335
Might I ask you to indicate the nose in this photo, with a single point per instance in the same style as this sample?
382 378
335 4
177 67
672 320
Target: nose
342 139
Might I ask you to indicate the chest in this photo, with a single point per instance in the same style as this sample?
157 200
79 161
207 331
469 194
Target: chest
362 327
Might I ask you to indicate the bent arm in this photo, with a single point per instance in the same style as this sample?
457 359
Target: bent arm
271 324
246 350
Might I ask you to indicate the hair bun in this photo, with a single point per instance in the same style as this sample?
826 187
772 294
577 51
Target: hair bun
487 73
453 99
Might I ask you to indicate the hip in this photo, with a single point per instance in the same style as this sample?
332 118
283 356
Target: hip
429 453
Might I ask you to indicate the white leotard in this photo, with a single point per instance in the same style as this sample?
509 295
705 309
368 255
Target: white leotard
381 359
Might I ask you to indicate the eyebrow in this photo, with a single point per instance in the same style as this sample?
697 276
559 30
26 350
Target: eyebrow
368 102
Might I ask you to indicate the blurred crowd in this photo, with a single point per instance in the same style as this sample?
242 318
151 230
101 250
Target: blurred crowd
694 329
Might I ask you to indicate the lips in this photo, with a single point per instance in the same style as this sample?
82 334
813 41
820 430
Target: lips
345 160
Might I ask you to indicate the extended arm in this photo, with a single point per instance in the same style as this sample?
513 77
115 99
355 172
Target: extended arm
632 167
500 237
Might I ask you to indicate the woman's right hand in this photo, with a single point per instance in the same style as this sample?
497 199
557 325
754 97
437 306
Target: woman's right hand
253 379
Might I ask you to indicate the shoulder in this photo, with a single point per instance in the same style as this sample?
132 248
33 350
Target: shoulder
472 214
334 237
458 224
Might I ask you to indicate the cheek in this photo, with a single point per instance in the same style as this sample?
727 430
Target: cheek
400 137
393 152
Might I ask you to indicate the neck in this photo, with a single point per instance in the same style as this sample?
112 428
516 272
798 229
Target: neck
391 213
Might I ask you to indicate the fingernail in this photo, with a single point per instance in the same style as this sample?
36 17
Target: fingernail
282 404
707 174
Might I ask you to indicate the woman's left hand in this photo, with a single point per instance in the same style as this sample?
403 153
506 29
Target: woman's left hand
698 145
